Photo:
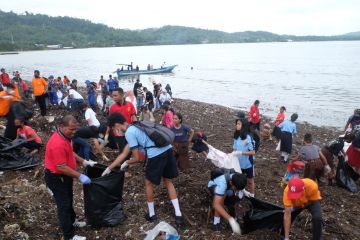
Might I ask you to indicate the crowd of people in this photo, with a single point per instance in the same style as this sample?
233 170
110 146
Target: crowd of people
69 145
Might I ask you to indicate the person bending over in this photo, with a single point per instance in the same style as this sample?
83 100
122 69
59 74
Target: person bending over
303 194
226 190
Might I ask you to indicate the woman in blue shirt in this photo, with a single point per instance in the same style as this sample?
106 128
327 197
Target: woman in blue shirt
288 129
244 149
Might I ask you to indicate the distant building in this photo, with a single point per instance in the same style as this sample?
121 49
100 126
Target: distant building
58 46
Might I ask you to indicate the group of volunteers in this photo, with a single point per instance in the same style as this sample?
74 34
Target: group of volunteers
72 142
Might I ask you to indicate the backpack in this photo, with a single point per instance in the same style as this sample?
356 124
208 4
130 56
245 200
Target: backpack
217 172
159 134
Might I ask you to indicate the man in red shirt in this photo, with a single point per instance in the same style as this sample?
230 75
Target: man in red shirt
60 169
127 110
122 106
4 77
254 115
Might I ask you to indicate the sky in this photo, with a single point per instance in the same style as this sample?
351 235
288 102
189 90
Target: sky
297 17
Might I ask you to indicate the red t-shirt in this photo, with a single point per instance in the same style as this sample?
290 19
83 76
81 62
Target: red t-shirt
5 79
59 151
26 132
280 118
353 157
254 114
127 110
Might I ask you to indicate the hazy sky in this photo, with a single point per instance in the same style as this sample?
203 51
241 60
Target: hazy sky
299 17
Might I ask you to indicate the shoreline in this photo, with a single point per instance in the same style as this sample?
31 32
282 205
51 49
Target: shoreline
28 203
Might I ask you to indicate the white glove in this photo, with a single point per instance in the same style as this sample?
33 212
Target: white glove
235 226
106 172
240 194
246 193
236 153
90 163
124 165
327 169
286 238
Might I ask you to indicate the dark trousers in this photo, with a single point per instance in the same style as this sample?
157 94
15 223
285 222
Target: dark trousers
62 188
317 222
82 146
41 100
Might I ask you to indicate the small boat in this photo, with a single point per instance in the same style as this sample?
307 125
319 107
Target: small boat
8 53
124 73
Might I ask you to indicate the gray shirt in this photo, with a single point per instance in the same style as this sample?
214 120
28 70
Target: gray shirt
309 152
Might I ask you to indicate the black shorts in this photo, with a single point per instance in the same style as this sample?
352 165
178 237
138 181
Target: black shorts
161 166
249 172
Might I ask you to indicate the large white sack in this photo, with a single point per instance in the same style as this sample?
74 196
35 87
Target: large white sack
223 160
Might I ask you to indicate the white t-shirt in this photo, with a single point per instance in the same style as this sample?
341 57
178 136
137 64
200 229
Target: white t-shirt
74 94
90 117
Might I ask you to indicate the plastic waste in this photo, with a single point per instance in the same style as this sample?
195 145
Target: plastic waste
162 227
103 197
223 160
12 158
345 176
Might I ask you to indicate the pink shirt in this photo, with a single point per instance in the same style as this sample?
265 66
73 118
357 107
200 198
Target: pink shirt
167 119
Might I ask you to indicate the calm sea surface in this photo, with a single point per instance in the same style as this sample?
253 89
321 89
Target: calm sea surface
318 80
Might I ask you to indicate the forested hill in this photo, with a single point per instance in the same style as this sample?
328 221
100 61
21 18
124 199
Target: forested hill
36 31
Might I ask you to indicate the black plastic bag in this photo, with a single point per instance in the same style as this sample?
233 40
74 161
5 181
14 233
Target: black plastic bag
345 176
103 197
265 215
11 156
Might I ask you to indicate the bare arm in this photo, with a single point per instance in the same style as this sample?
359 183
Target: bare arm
218 203
191 135
68 171
78 159
287 221
121 158
249 153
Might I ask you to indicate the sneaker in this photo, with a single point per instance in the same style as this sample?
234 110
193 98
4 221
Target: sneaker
77 237
150 219
79 224
216 227
179 220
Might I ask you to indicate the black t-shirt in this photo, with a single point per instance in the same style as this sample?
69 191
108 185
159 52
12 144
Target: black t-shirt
86 132
149 97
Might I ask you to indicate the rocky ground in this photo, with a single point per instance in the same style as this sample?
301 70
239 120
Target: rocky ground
28 211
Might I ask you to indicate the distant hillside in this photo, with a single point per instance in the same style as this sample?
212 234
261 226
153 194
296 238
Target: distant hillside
36 31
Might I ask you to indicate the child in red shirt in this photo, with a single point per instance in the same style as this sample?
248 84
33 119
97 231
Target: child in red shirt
279 119
167 118
33 141
254 115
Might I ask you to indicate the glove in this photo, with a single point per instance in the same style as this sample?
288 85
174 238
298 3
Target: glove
327 169
90 163
84 179
246 193
240 194
105 158
124 165
235 226
286 238
236 153
106 172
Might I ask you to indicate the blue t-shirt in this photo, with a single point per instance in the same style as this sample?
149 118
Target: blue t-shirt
244 146
138 139
181 134
288 126
221 185
112 84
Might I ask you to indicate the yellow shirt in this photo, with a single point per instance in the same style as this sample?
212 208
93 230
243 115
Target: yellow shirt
311 193
39 86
